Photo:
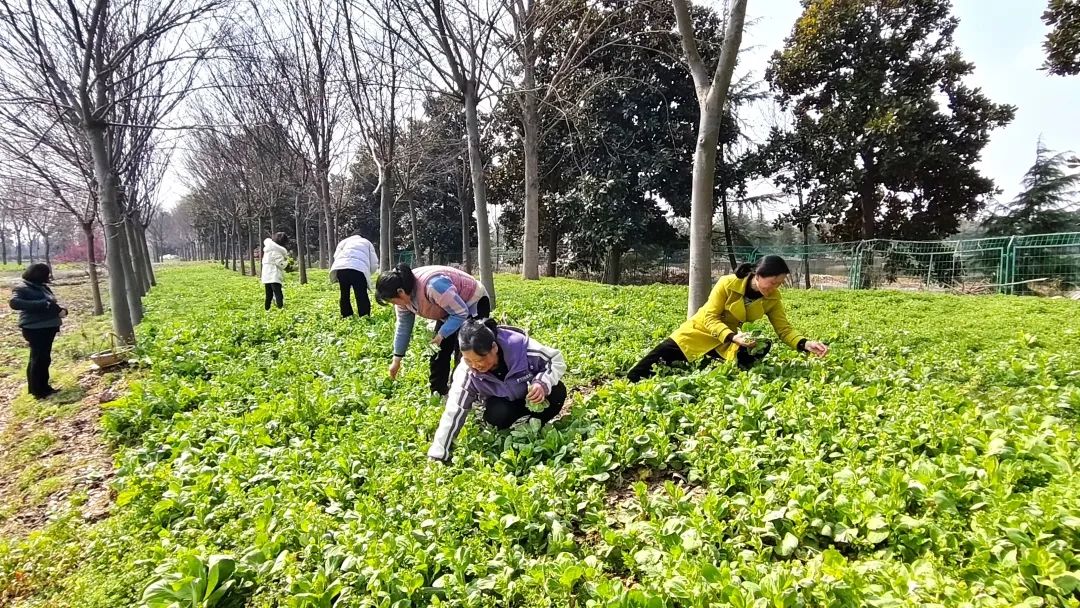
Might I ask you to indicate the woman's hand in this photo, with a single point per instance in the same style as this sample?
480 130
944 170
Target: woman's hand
819 349
744 339
536 393
437 340
395 367
63 312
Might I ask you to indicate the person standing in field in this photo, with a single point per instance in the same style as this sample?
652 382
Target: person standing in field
506 371
355 260
274 259
40 317
747 295
446 295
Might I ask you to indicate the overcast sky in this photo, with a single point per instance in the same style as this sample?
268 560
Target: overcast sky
1002 38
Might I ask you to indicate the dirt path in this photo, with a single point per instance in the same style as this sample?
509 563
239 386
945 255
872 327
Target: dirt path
52 454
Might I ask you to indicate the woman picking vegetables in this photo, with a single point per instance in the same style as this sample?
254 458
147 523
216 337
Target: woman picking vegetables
446 295
505 370
749 294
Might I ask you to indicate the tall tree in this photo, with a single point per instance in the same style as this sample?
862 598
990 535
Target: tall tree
456 40
712 92
1062 42
1050 201
880 85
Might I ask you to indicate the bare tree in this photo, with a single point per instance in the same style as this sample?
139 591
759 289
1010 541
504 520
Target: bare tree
712 92
456 39
75 64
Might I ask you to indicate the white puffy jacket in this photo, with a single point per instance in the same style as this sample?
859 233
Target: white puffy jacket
356 253
274 259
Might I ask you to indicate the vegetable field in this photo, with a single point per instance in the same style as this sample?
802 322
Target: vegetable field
265 459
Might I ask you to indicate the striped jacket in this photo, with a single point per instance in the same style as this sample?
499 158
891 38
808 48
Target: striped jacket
527 361
442 293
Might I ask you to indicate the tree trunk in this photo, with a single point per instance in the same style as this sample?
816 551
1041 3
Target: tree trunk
3 245
146 255
386 220
728 238
328 218
91 267
806 236
476 168
530 264
133 291
48 256
613 266
466 224
553 246
138 261
301 242
868 196
711 100
415 239
251 246
111 220
18 244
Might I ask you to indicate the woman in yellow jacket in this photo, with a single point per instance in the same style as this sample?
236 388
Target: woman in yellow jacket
749 294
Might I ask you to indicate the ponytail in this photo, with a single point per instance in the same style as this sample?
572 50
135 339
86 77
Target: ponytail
390 282
768 266
477 336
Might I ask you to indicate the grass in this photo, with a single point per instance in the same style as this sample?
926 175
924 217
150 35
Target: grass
930 460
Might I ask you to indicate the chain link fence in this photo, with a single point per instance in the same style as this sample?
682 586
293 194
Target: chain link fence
1044 264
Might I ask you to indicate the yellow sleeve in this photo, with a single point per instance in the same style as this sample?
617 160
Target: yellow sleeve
778 318
712 313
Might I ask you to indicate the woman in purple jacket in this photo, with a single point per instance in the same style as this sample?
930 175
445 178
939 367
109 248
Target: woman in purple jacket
505 370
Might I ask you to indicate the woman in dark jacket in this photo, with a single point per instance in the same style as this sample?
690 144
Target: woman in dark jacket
39 318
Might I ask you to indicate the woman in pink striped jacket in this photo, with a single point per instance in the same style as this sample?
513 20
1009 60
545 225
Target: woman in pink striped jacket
441 293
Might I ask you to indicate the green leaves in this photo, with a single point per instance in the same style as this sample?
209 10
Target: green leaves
913 466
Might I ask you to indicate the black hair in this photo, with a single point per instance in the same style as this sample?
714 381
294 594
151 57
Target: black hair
477 336
390 282
37 273
280 238
768 266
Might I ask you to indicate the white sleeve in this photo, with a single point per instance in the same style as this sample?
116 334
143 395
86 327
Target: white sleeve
552 364
458 403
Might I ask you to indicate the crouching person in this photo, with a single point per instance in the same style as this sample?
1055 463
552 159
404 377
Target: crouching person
505 370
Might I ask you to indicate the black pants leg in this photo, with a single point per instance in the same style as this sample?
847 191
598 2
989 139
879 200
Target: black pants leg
439 364
344 303
267 287
665 353
483 308
279 297
350 279
37 368
363 302
502 413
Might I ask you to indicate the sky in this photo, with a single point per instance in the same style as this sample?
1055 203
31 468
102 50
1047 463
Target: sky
1003 38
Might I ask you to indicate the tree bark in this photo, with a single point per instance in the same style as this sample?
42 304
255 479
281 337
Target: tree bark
91 267
712 96
301 242
553 246
530 246
146 255
123 326
728 239
868 196
613 266
386 223
415 240
132 282
476 168
138 266
466 224
48 256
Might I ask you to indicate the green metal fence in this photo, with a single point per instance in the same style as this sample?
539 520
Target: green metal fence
1047 264
1043 263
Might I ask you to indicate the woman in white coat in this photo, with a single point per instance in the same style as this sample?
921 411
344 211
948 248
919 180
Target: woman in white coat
274 260
355 261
